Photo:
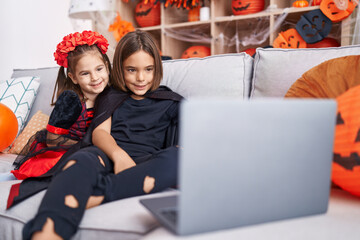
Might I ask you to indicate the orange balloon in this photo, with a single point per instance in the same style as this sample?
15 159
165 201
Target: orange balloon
8 126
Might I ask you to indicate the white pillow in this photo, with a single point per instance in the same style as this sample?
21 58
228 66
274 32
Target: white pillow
19 94
226 75
276 69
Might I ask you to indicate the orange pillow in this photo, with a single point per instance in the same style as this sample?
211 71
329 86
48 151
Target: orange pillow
328 79
36 123
346 164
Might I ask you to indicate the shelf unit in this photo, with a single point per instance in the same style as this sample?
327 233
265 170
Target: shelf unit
220 31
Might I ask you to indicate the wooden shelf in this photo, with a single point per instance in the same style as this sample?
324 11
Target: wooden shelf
221 25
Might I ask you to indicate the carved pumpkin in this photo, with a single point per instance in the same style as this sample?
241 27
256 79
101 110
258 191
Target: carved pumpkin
148 14
316 2
329 8
8 126
346 164
242 7
326 42
194 14
196 51
300 4
313 26
289 39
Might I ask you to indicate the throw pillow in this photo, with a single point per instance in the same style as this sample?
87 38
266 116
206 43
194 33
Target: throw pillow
346 164
36 123
328 79
19 95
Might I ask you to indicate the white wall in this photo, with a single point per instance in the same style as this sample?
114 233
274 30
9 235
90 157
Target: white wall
30 31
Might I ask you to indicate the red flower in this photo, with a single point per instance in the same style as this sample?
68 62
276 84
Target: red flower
71 41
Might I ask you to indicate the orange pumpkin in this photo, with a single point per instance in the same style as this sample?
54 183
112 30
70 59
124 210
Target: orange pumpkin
194 14
289 39
329 8
346 164
196 51
148 14
326 42
242 7
300 4
316 2
8 126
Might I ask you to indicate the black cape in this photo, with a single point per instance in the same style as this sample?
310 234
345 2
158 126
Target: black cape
106 103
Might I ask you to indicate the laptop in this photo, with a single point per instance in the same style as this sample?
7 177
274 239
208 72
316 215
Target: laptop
249 162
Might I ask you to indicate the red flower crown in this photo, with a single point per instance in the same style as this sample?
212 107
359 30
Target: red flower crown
71 41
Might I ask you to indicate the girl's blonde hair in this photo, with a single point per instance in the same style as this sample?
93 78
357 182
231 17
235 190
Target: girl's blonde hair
130 44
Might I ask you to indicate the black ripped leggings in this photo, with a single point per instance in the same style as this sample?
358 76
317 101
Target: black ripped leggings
88 176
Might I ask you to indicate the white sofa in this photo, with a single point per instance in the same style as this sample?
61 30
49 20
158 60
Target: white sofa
269 74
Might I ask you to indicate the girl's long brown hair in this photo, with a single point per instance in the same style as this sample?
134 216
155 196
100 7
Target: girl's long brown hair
64 82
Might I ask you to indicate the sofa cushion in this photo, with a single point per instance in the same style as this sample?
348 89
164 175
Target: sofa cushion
226 75
45 91
19 94
275 69
328 79
122 219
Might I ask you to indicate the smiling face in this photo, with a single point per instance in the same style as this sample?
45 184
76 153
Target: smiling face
329 8
139 73
241 7
91 74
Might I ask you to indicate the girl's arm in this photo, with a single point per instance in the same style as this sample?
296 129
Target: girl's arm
102 138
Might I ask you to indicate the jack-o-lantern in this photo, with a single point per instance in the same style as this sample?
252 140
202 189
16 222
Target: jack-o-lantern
242 7
326 42
329 8
194 14
313 26
300 4
148 14
346 164
289 39
316 2
196 51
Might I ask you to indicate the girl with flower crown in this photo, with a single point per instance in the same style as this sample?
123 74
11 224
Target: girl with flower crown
84 73
134 132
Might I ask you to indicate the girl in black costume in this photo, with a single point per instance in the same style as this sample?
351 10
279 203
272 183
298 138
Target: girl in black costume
134 137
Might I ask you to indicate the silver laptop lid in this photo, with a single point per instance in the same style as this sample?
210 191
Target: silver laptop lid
247 162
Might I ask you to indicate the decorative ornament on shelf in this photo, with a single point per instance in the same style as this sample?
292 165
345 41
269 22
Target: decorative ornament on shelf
8 126
289 39
243 7
120 27
336 14
314 26
300 4
196 51
194 14
147 13
326 42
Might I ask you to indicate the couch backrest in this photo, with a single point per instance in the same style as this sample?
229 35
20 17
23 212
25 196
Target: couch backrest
276 69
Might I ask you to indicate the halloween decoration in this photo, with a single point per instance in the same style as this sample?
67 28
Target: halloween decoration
316 2
289 39
196 51
332 11
8 126
120 27
326 42
194 14
314 26
300 4
250 51
147 14
242 7
346 164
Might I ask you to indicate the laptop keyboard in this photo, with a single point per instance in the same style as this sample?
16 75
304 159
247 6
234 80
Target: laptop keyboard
170 214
